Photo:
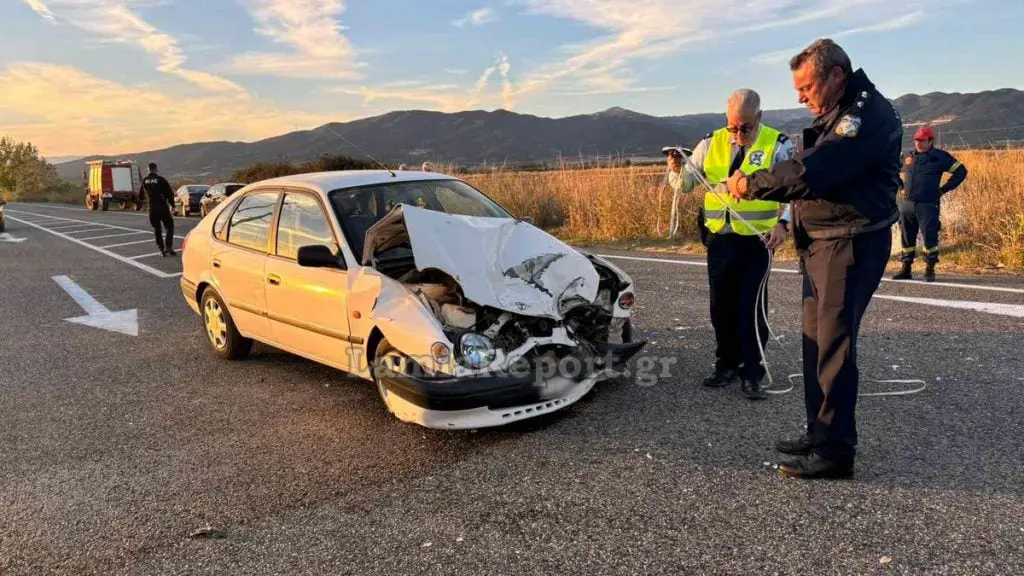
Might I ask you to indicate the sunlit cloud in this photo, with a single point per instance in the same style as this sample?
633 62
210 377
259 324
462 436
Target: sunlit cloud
476 18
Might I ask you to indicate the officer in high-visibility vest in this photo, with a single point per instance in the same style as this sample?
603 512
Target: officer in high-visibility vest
921 192
737 257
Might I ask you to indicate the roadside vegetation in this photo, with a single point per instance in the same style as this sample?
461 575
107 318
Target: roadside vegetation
26 176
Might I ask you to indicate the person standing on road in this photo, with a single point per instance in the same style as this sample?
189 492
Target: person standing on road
737 258
161 201
843 188
921 194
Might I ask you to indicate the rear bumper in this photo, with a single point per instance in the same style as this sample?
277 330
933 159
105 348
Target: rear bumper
188 290
497 399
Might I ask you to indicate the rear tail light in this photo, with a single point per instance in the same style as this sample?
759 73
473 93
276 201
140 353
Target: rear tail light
626 300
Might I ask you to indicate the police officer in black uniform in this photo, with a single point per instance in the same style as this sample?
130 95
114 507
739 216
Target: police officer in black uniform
161 200
842 187
921 193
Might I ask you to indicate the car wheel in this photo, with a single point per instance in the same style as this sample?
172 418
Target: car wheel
185 211
105 205
1 225
220 329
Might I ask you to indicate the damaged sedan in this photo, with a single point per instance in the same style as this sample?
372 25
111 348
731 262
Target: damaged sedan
462 315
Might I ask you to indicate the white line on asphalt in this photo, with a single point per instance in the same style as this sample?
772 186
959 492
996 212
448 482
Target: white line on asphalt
126 244
1015 310
87 230
126 260
792 271
146 255
111 226
114 235
66 226
97 315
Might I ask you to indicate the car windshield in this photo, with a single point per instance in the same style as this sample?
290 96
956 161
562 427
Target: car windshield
361 207
194 190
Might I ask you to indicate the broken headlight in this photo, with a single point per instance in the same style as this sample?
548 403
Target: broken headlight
476 350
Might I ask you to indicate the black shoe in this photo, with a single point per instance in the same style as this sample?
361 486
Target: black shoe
799 447
753 389
929 272
814 467
905 274
170 252
722 378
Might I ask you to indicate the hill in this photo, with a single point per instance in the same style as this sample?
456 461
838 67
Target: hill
477 137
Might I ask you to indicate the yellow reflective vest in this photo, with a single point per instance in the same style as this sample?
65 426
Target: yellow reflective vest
762 215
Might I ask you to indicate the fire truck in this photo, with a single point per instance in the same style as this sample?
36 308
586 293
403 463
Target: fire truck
113 181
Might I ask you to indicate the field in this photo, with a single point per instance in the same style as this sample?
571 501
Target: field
982 221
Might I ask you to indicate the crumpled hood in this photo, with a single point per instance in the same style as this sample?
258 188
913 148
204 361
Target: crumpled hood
499 262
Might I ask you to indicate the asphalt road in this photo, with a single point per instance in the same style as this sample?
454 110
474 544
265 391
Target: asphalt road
115 448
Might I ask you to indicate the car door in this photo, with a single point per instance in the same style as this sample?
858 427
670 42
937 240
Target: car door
307 306
238 262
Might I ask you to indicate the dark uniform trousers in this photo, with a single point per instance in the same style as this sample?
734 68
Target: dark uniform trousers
840 276
919 217
736 267
160 213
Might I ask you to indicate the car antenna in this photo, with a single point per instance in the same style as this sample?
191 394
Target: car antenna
331 130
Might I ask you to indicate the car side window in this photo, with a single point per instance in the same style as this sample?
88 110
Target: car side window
302 223
249 226
220 229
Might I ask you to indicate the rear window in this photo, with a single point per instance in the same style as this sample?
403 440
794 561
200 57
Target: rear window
232 188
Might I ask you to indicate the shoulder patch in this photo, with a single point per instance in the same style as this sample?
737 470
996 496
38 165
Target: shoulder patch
848 126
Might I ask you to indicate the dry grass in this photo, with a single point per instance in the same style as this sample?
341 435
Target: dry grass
983 220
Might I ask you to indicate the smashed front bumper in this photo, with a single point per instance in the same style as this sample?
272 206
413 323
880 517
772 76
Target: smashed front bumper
501 398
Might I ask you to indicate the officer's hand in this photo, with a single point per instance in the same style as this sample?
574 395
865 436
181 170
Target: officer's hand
777 237
738 185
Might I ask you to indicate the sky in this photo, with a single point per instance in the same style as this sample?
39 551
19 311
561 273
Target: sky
116 76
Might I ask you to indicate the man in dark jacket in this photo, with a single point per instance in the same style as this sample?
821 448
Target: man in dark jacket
922 192
842 187
161 202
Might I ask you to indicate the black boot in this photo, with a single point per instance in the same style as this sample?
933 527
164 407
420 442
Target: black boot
798 447
929 272
753 389
905 274
722 378
815 467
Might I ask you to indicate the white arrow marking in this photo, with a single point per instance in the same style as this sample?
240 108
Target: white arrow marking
1015 310
5 237
97 315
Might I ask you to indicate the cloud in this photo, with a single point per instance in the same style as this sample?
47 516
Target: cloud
455 71
888 25
114 22
476 18
319 48
111 118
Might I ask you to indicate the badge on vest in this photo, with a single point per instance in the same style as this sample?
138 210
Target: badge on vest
757 158
848 126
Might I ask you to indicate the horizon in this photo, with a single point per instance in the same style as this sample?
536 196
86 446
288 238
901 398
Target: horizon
98 77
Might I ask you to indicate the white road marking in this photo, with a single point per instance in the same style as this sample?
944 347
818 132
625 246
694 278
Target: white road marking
114 235
65 226
146 255
105 252
97 315
128 243
1015 310
111 226
87 230
792 271
6 237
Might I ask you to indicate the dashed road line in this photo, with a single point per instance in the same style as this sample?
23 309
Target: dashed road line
127 243
114 235
146 255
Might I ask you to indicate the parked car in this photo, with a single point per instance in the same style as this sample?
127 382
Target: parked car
188 199
216 194
2 204
463 315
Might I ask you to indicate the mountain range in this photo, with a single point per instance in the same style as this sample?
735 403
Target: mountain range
475 138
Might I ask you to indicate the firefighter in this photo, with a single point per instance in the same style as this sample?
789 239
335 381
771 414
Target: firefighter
921 193
737 258
161 202
843 189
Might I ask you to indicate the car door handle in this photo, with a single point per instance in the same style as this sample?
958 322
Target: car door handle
274 279
216 263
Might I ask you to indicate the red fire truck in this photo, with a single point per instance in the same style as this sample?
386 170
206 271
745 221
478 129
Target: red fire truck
118 181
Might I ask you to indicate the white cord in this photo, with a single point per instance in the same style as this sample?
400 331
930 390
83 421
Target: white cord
673 225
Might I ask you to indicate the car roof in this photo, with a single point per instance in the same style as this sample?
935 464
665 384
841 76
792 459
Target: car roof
329 181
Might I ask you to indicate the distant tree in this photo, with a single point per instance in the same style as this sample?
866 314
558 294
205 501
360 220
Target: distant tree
24 174
325 163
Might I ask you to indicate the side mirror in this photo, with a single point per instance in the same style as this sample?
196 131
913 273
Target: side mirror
528 220
320 256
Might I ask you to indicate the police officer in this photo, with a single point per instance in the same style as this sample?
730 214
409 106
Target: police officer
843 188
921 192
737 258
161 201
